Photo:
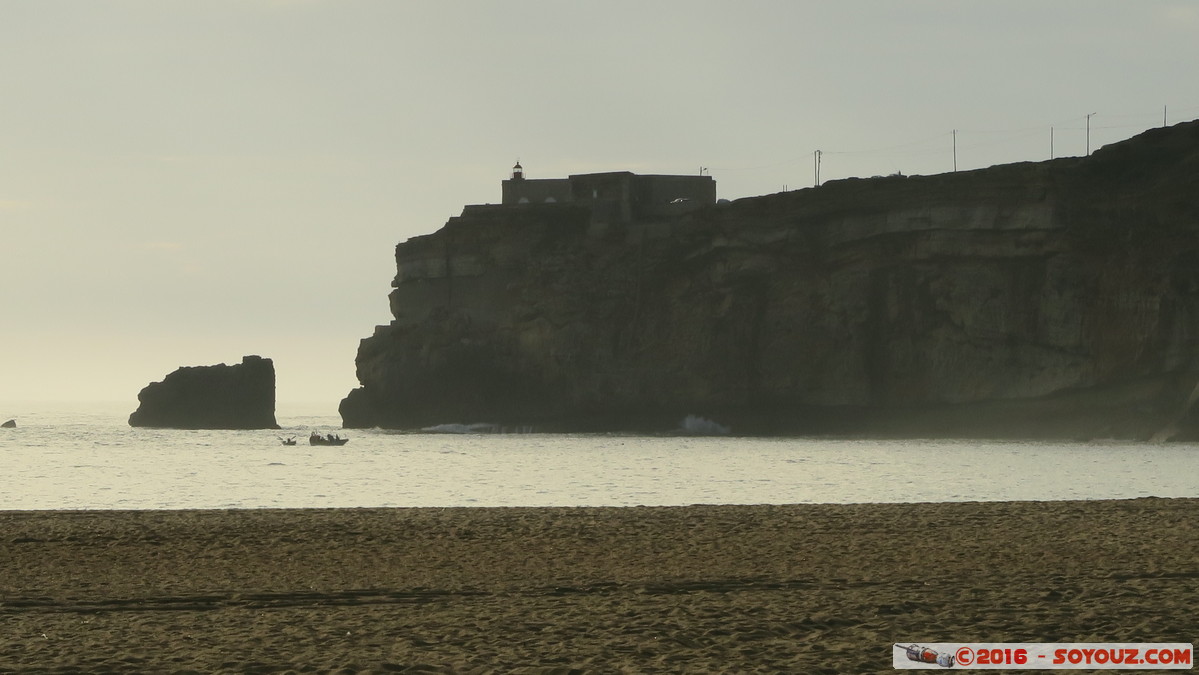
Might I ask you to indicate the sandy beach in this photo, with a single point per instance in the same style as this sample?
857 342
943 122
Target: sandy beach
803 588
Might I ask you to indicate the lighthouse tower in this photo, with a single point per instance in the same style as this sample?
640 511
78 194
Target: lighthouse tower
521 190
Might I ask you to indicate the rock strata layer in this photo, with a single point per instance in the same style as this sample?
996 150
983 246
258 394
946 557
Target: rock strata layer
240 396
1057 299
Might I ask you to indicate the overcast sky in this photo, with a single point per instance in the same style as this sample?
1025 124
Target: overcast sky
183 183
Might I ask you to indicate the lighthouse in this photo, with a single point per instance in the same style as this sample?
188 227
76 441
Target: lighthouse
518 173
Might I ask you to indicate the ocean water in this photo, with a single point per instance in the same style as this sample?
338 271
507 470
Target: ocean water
85 456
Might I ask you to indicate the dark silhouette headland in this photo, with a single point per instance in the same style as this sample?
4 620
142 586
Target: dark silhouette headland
1052 300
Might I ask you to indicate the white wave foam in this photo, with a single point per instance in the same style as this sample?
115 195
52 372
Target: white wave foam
699 426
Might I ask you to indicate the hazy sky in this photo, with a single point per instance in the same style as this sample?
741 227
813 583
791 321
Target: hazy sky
183 183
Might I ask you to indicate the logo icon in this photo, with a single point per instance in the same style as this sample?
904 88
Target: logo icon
927 655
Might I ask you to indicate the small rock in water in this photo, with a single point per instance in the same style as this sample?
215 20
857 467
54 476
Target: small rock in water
11 424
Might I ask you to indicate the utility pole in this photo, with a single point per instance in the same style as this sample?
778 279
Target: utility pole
1050 142
816 166
1089 134
1164 115
955 150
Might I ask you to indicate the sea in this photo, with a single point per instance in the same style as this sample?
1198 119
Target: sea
84 456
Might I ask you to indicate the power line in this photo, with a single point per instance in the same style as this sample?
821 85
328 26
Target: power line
888 148
933 145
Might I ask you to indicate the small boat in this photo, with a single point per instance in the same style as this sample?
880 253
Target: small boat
327 439
289 441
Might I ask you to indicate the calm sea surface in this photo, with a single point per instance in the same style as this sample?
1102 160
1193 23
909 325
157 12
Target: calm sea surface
87 457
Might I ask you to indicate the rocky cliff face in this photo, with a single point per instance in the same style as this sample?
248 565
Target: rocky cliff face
1054 299
240 396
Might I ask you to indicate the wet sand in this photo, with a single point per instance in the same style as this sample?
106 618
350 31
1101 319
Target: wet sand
805 589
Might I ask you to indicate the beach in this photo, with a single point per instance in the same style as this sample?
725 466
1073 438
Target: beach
797 588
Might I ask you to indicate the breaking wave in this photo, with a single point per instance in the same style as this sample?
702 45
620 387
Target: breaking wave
700 426
476 428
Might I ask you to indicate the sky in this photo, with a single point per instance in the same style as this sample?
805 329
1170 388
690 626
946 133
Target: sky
185 183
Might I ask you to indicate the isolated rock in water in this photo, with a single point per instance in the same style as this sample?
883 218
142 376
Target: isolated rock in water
211 397
11 424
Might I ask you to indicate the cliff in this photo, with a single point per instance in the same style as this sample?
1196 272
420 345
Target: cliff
240 396
1043 300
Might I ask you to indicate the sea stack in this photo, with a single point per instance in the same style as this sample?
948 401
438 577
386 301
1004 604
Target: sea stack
211 397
